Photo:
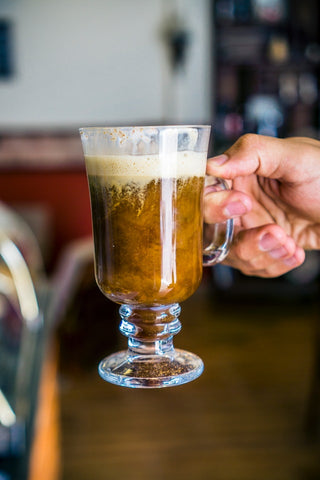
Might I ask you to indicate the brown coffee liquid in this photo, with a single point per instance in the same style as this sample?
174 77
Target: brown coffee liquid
148 238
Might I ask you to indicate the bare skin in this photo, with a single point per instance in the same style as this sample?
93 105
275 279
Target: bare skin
275 202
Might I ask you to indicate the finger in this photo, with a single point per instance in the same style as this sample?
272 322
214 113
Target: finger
283 265
220 206
287 159
296 260
265 251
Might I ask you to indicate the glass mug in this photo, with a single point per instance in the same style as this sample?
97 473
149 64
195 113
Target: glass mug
146 191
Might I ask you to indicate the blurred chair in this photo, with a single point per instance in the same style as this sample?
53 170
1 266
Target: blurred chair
74 261
18 230
21 327
86 321
24 329
32 307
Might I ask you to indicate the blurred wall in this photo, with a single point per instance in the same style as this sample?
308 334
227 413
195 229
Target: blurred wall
103 61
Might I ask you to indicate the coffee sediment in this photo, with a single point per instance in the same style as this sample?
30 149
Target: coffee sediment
147 230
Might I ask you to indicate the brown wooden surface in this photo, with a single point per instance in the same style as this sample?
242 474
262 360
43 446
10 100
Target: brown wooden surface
45 452
243 419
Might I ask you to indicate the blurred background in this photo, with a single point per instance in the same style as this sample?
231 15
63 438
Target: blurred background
238 65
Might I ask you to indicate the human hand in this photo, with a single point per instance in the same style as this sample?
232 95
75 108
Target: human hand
275 202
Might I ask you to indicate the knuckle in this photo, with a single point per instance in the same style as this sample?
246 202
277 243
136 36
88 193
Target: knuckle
248 141
242 252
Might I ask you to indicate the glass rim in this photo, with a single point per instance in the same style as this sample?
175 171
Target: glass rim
160 127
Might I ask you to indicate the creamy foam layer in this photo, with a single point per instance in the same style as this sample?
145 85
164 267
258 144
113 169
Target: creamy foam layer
142 168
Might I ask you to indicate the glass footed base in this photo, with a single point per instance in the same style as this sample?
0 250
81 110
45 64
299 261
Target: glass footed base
150 371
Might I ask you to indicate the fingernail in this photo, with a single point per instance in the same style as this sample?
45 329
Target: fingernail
220 159
290 262
235 209
278 252
268 242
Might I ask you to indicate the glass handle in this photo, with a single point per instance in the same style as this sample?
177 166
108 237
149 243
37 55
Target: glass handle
217 237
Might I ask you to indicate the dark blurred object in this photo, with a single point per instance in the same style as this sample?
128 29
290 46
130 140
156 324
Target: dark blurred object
271 11
264 114
296 287
6 50
177 39
267 49
243 11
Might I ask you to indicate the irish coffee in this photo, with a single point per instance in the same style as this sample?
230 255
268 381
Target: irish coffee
147 224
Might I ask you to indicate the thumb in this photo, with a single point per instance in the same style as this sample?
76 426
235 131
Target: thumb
282 159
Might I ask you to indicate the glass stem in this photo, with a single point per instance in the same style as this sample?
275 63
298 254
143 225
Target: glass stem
150 330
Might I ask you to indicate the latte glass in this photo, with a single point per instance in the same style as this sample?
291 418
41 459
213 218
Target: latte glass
146 189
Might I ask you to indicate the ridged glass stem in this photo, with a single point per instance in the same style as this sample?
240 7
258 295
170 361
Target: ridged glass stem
150 330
